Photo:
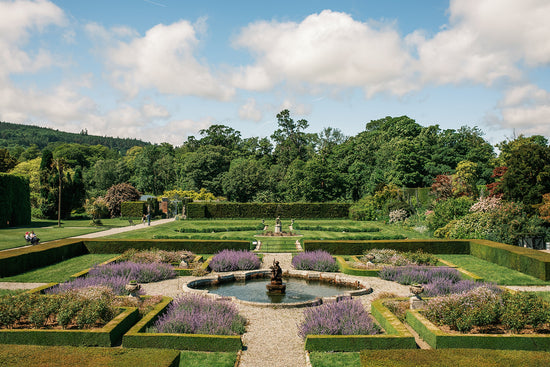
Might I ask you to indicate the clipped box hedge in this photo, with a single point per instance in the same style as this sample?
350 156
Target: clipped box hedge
267 210
528 261
346 269
439 339
350 247
136 337
133 209
118 246
15 202
397 336
107 336
21 260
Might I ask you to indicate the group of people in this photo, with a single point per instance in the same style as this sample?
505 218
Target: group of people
32 238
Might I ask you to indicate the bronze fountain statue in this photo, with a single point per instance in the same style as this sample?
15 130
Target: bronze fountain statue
276 286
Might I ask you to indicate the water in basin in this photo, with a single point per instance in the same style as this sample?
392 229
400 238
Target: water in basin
297 290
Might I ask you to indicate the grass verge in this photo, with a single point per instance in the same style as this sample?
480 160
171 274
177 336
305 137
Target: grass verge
59 272
492 272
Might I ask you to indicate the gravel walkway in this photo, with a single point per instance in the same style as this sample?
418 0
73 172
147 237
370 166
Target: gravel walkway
271 336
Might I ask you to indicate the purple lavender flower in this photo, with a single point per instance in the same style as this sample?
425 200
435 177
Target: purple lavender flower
317 260
197 314
347 317
231 260
418 274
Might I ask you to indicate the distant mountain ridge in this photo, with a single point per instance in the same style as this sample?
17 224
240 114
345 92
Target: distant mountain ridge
27 135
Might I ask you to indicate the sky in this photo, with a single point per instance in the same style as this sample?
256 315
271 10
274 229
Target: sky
162 70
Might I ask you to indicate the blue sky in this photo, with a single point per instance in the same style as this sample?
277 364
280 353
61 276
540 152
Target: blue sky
161 70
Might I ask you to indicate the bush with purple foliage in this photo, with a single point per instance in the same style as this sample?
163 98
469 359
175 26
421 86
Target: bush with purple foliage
347 317
317 260
197 314
117 275
231 260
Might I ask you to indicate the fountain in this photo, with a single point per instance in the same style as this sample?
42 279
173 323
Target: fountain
276 286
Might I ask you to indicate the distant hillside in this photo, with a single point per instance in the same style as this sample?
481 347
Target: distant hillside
27 135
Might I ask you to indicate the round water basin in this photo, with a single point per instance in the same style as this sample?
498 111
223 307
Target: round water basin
300 291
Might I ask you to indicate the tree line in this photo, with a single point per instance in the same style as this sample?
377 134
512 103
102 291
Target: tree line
291 165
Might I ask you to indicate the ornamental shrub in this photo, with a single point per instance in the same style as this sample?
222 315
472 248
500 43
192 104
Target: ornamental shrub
347 317
418 274
232 260
197 314
524 308
446 210
156 255
462 312
317 260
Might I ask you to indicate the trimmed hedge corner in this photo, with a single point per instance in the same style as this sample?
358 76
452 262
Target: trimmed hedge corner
397 336
438 339
136 337
107 336
346 269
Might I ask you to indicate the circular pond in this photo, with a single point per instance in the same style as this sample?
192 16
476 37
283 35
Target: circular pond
301 290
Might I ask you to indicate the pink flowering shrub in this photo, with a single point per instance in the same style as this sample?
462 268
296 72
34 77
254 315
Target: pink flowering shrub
486 204
346 317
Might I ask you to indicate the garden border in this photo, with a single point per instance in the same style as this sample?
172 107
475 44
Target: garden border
107 336
437 338
137 337
397 336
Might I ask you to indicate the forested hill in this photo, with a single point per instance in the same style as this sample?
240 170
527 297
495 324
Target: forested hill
26 135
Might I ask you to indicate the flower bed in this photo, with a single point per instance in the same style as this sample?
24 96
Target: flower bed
68 319
196 314
156 255
139 336
117 275
318 260
232 260
390 257
436 280
396 335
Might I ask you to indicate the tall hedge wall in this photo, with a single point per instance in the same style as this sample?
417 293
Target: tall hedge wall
358 247
267 210
15 200
133 209
118 246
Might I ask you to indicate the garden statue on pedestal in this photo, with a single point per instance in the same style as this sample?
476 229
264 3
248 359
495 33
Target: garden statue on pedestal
276 286
278 225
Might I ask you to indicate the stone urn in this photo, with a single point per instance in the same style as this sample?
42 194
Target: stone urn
133 287
415 301
416 290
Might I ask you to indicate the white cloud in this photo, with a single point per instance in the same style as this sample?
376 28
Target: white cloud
17 19
526 109
329 48
250 111
163 59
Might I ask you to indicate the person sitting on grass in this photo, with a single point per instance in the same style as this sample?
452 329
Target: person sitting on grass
34 238
27 237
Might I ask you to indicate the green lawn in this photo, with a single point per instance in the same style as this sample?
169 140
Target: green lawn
59 272
169 229
492 272
432 358
47 230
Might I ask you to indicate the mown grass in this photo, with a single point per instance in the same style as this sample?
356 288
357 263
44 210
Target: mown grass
169 229
200 359
47 230
61 271
11 292
34 355
492 272
432 358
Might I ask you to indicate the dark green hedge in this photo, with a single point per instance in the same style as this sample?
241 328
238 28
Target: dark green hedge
137 338
528 261
133 209
267 210
20 260
303 227
338 247
15 200
107 336
436 338
356 343
118 246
